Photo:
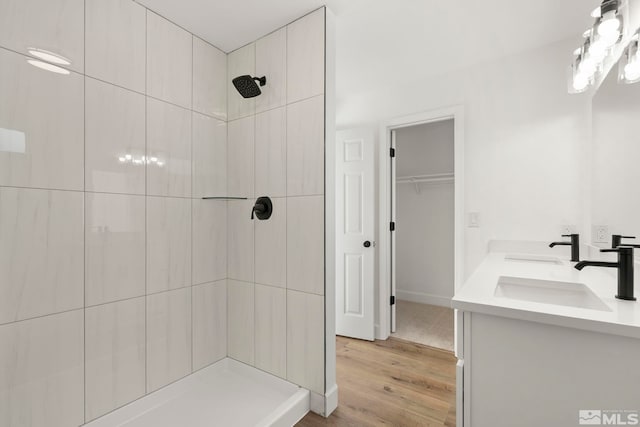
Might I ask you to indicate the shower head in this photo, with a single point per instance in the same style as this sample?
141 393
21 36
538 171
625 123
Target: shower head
247 85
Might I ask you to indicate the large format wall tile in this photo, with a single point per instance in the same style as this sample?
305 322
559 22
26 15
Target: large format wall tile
305 340
241 321
41 252
41 124
168 149
209 156
168 243
271 246
209 241
115 139
115 355
271 153
305 244
305 56
305 147
209 323
56 26
169 61
116 42
168 337
271 62
240 62
209 80
240 155
240 240
42 372
271 330
115 247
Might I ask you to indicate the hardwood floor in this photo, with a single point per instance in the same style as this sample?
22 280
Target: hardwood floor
393 382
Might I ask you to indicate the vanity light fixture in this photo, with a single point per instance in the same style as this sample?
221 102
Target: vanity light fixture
598 42
46 66
51 57
629 65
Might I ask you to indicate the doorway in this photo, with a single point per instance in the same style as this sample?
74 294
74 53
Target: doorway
423 200
388 298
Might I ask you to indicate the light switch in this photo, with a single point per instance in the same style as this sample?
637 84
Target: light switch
474 220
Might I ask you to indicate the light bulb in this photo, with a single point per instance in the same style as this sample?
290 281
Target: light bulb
580 82
609 26
598 49
632 70
122 159
587 66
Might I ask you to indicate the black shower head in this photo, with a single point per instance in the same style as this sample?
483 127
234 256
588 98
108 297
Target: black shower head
247 85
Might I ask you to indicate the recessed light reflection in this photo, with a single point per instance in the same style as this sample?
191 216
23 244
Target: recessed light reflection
142 160
47 66
45 55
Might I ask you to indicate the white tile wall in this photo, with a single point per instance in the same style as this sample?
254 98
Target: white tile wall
114 247
305 230
42 371
116 40
169 61
153 92
240 240
305 56
305 340
271 246
115 355
240 314
45 112
41 253
209 156
168 337
56 26
115 129
168 243
271 61
240 62
240 157
209 80
209 323
209 241
305 147
271 329
168 141
271 153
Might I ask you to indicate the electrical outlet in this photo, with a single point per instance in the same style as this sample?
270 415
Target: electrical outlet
600 234
568 229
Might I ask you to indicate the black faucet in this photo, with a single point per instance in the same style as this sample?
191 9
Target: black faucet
624 266
574 243
616 240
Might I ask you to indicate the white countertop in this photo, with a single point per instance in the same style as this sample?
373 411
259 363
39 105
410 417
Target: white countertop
477 294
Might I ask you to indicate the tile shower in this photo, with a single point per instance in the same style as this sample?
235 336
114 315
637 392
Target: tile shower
116 277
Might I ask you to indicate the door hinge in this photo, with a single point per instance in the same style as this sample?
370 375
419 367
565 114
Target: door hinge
392 226
392 152
393 299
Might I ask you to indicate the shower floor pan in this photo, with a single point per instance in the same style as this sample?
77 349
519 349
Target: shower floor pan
227 393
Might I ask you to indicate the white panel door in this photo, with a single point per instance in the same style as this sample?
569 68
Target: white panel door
355 232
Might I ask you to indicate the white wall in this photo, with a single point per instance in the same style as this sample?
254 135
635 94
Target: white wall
425 219
525 138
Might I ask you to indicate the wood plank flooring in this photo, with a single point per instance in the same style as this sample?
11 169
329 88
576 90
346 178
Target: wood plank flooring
394 383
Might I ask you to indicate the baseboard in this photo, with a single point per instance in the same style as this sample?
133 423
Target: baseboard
325 404
423 298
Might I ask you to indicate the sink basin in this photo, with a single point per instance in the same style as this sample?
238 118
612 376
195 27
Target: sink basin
538 259
549 292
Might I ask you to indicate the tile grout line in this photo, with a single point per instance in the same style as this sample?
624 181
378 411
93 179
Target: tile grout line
84 225
146 191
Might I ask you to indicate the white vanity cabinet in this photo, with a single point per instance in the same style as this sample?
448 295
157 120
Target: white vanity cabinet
517 372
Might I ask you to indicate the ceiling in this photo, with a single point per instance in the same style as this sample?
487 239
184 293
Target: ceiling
381 43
